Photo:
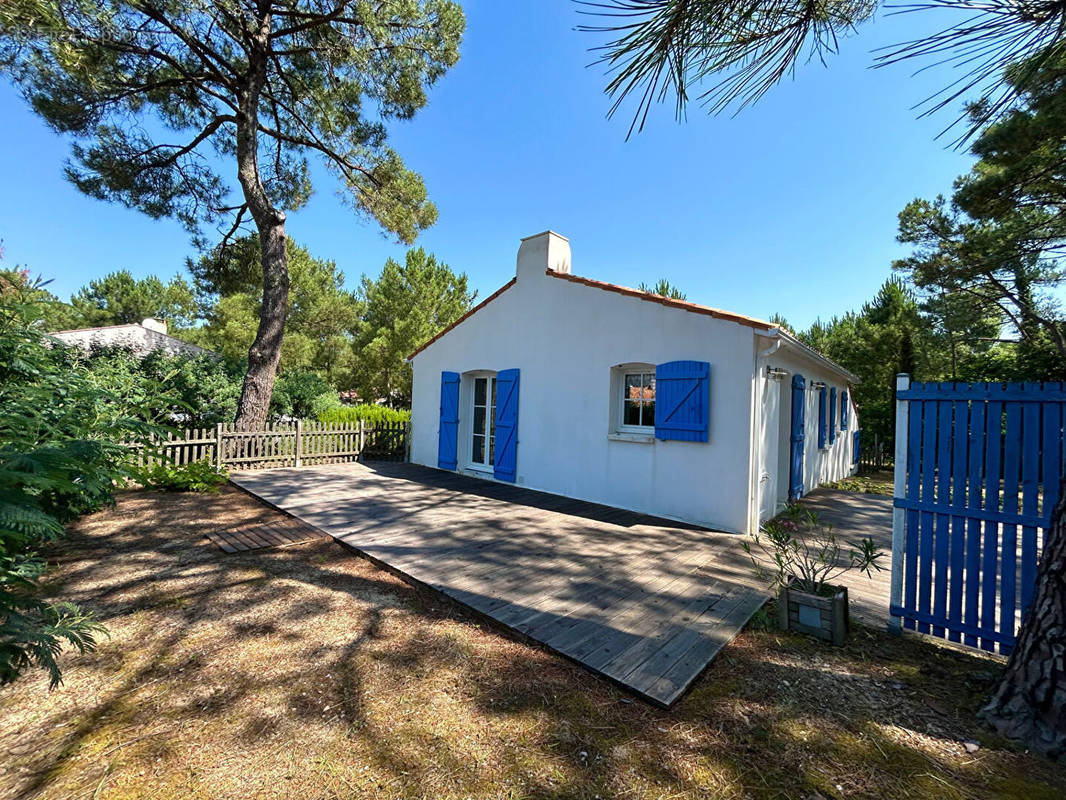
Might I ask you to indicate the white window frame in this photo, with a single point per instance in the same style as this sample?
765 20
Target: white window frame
490 422
618 429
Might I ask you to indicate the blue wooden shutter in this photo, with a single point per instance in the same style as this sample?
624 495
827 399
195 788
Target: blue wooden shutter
505 452
822 414
799 433
448 442
843 409
832 415
855 448
683 401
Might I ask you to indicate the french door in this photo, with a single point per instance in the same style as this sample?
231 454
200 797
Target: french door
483 436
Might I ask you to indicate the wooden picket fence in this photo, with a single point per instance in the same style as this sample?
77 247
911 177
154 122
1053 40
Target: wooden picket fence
284 444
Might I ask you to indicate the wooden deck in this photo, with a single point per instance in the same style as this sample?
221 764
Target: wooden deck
646 602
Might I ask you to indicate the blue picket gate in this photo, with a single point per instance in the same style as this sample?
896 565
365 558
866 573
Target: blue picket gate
977 475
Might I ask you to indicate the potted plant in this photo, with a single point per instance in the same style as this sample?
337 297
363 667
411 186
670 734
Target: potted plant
802 560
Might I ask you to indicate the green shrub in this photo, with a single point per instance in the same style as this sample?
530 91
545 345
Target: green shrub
325 403
375 415
198 476
61 428
295 393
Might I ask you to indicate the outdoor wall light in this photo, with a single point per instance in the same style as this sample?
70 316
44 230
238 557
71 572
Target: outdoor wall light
817 384
776 372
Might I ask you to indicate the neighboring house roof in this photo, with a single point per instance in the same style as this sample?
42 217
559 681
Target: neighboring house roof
139 337
761 326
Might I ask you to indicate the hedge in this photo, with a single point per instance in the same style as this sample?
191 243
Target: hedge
375 415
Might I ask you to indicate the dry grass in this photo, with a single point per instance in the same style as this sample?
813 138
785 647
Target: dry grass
305 672
879 482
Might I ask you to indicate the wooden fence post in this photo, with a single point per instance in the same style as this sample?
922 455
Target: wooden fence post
362 439
407 441
299 440
903 383
218 446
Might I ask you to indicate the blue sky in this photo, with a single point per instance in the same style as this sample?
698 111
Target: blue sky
789 207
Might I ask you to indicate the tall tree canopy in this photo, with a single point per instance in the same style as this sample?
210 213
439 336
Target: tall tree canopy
119 298
406 306
164 99
320 319
999 244
731 52
664 288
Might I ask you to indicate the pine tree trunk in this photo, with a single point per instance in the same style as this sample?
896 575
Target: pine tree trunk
265 353
1030 703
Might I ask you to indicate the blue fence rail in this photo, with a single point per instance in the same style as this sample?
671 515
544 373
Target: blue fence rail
980 472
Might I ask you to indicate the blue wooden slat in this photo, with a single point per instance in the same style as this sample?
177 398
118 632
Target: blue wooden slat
1008 576
957 578
844 409
448 435
910 552
928 497
505 452
990 550
682 401
992 637
942 522
798 434
822 416
973 526
1054 444
1037 520
986 392
1030 500
832 415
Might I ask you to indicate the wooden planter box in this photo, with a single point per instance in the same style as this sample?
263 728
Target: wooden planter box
823 617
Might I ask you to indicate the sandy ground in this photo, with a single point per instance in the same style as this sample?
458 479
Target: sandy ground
306 672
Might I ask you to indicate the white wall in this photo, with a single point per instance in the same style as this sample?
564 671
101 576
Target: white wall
775 398
565 338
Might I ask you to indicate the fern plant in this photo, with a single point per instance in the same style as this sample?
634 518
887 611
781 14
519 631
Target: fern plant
61 455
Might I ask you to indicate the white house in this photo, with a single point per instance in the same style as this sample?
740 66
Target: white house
595 391
141 338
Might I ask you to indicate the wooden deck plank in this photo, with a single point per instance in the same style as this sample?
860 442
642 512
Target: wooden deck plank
643 601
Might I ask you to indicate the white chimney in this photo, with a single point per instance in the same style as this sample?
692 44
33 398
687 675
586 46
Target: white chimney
152 324
543 252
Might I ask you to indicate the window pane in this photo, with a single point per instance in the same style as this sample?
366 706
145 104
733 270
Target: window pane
492 450
631 413
478 454
479 419
479 391
494 392
633 387
649 387
648 417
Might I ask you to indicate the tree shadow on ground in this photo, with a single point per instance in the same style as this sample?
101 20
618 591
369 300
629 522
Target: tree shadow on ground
307 672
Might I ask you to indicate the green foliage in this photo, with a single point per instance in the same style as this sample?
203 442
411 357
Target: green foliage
374 415
888 335
795 549
60 457
664 288
51 314
119 299
996 249
155 95
321 316
405 307
189 391
198 476
296 393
